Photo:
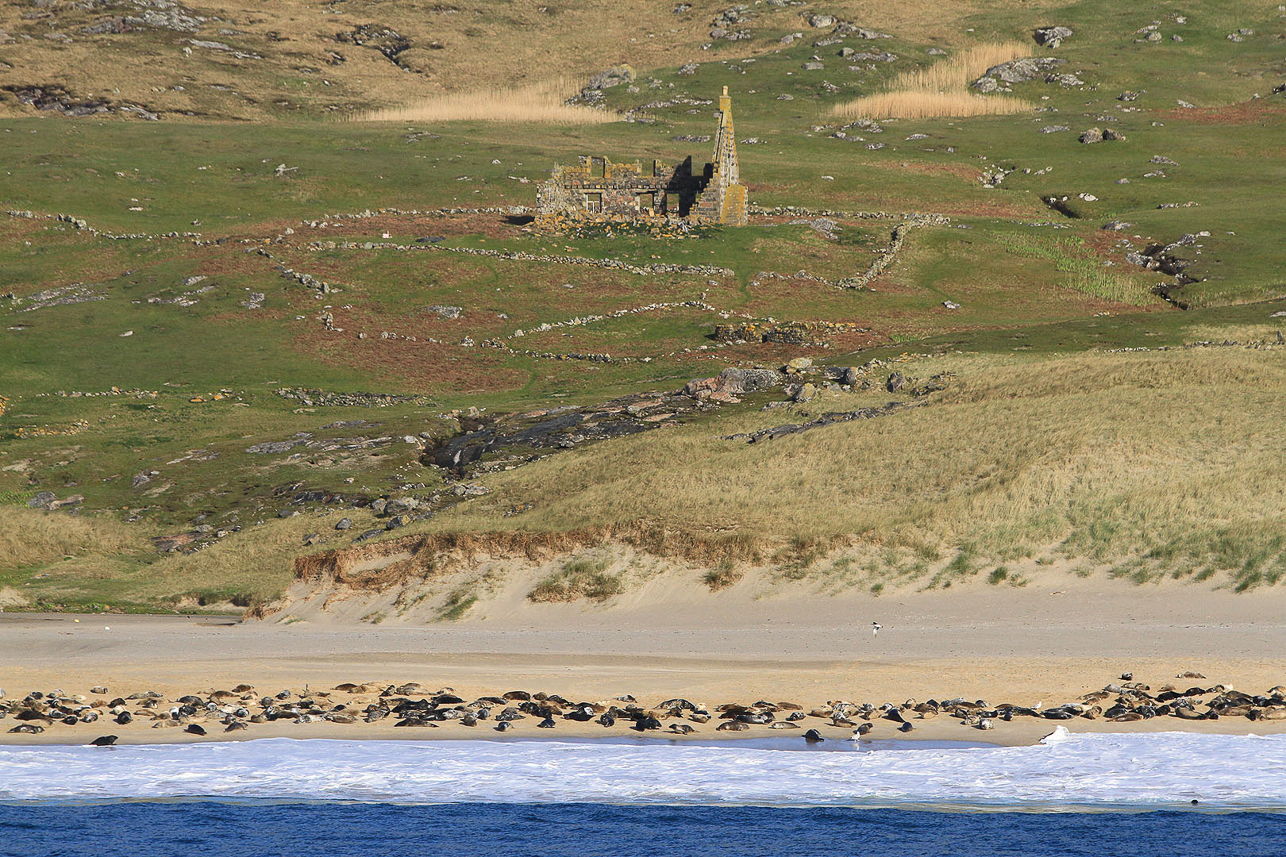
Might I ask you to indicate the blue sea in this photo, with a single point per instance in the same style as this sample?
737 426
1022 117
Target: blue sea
1070 795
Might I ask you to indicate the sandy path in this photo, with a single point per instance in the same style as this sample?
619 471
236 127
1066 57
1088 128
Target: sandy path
1019 646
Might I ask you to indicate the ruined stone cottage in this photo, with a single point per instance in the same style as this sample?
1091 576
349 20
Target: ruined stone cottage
598 189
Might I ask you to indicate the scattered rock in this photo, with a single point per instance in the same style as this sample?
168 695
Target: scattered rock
614 76
42 500
1065 80
1052 37
803 393
1100 135
799 364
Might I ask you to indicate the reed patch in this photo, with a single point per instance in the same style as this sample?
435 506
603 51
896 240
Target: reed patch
942 89
538 104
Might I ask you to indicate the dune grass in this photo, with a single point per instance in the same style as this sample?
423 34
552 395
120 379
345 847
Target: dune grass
1021 457
29 537
542 103
942 89
585 577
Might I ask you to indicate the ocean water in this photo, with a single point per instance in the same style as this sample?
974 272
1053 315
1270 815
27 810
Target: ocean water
589 830
1072 794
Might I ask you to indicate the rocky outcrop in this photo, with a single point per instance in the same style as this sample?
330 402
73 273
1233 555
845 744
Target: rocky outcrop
1001 77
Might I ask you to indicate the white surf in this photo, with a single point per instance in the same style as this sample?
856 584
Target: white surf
1065 771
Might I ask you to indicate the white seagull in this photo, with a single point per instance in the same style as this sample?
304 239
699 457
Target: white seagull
875 629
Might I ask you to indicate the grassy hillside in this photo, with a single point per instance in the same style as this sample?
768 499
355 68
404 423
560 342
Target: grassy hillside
181 383
292 58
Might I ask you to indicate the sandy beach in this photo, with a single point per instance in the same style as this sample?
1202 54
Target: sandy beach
1022 647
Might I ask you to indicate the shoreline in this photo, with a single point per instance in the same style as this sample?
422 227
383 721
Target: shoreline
964 737
1029 650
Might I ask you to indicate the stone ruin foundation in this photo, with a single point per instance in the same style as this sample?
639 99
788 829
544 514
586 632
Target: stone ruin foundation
597 189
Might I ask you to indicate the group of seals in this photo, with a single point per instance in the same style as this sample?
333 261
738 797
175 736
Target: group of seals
413 705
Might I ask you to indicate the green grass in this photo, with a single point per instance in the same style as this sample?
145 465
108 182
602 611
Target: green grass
1087 274
457 604
577 579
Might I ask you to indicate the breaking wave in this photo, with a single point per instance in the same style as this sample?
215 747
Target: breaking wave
1091 771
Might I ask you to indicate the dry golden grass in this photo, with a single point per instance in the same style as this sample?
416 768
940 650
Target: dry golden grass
957 72
540 104
942 89
1019 454
243 572
930 105
29 537
454 46
104 561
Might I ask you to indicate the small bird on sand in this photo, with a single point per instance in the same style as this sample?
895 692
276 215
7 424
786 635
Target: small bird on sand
875 629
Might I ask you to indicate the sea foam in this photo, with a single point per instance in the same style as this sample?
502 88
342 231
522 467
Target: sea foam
1107 771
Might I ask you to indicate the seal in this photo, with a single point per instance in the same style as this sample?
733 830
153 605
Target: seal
504 726
103 741
195 729
732 726
681 729
648 722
